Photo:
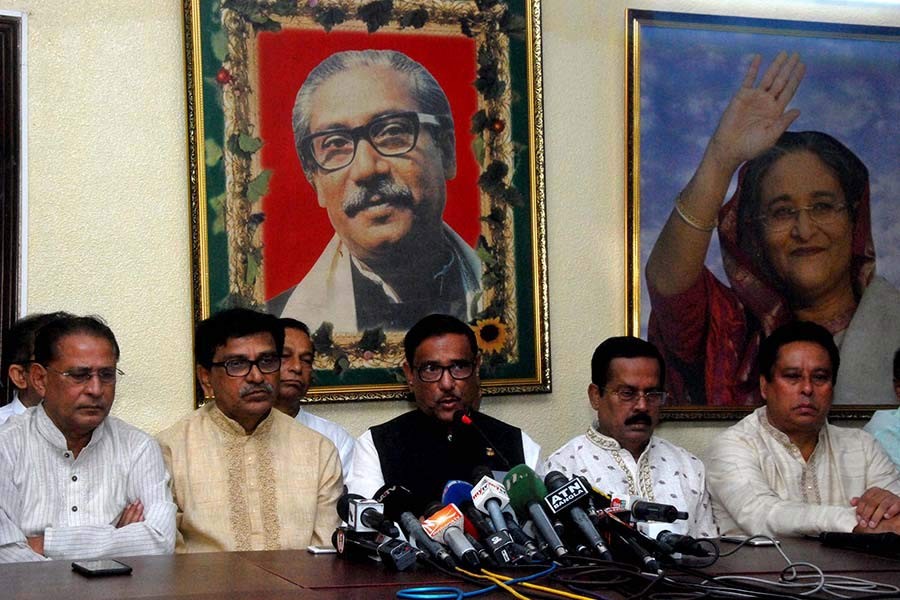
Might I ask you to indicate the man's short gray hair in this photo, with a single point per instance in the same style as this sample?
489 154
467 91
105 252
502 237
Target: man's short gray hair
425 89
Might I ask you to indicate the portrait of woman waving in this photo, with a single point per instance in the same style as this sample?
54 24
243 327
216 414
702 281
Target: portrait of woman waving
796 243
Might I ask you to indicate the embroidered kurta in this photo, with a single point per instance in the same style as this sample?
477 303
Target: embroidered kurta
273 489
663 473
760 483
75 503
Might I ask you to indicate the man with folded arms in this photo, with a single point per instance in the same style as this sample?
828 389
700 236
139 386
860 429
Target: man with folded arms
75 482
619 454
424 448
783 470
245 476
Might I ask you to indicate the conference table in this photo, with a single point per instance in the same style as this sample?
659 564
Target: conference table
290 574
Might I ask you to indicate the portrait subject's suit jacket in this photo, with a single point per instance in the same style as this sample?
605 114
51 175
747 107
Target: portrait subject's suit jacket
326 293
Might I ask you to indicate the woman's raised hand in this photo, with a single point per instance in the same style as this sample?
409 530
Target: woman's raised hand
756 116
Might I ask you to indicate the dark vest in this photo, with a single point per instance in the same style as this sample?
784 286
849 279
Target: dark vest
422 454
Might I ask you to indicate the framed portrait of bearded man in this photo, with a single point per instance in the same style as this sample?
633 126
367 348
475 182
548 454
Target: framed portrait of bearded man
762 189
358 165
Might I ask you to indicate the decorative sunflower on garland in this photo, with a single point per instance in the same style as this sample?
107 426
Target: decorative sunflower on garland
491 335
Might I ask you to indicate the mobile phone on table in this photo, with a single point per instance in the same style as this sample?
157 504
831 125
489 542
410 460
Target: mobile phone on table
100 568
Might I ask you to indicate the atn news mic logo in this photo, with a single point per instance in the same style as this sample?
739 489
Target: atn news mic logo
573 491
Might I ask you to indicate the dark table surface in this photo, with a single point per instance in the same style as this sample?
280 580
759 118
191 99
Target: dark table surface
289 574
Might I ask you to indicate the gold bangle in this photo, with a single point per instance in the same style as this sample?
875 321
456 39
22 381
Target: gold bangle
704 227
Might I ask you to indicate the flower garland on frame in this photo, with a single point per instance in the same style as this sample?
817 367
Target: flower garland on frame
238 211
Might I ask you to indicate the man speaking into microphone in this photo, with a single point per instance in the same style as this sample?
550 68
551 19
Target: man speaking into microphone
619 454
424 448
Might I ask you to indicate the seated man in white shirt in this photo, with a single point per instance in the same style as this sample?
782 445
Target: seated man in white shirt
619 453
18 353
75 482
296 377
784 470
425 448
885 424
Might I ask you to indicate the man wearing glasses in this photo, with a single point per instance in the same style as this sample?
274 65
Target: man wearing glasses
245 476
75 482
425 448
619 454
374 134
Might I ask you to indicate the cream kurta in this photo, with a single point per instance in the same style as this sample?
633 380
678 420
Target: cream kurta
273 489
760 483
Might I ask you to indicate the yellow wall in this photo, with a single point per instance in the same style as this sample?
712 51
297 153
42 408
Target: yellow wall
108 198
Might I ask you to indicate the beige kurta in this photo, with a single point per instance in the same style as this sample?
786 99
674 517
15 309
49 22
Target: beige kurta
273 489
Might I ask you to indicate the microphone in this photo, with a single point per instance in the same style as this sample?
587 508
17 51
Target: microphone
445 525
483 555
489 496
397 555
645 557
463 419
564 498
526 493
460 493
365 515
523 539
676 542
396 500
883 544
642 510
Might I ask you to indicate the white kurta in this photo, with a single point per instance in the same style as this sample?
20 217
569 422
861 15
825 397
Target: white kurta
760 483
663 473
13 408
75 502
326 292
342 440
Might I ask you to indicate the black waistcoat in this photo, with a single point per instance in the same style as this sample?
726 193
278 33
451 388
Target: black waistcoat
422 454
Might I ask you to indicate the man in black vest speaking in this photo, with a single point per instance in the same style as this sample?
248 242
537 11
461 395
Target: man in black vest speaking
425 448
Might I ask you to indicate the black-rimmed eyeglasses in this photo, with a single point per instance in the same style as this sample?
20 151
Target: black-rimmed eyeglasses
240 367
390 135
431 372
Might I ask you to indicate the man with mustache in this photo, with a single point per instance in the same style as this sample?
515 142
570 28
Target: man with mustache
784 470
75 482
244 476
619 454
425 448
374 134
296 377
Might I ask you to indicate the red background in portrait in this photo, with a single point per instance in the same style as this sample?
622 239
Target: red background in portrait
296 229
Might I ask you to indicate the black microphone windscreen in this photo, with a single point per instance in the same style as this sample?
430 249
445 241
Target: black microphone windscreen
343 505
396 500
555 480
